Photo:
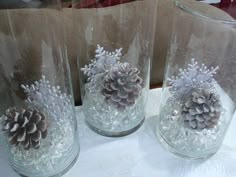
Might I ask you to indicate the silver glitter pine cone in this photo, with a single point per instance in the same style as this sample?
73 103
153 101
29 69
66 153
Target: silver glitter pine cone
201 110
122 86
25 127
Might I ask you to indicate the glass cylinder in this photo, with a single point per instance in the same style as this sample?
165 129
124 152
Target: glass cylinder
115 46
199 92
38 123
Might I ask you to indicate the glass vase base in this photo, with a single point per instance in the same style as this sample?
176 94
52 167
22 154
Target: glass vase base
114 134
177 153
59 173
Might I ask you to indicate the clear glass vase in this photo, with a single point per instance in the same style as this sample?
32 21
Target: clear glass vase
199 92
114 51
38 123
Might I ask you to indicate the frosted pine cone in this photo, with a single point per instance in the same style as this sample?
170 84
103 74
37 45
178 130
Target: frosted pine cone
26 127
201 110
122 86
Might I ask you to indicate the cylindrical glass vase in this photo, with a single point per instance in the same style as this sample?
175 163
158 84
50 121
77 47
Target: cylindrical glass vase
115 47
38 123
199 92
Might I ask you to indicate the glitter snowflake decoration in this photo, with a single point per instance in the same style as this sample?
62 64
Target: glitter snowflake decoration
194 77
51 97
102 63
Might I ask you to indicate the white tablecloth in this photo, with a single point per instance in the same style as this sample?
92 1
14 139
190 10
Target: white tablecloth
140 154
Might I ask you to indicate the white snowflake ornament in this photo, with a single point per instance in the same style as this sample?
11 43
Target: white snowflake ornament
44 94
102 63
194 77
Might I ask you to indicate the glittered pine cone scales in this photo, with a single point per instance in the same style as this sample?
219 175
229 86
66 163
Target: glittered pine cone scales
202 110
25 126
122 86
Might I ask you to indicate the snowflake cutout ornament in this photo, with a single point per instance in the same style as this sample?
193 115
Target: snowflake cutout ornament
103 61
196 76
51 97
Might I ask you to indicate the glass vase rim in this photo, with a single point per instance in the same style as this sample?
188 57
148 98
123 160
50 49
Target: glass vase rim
181 4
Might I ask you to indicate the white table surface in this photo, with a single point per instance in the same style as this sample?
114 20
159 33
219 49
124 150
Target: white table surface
140 154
